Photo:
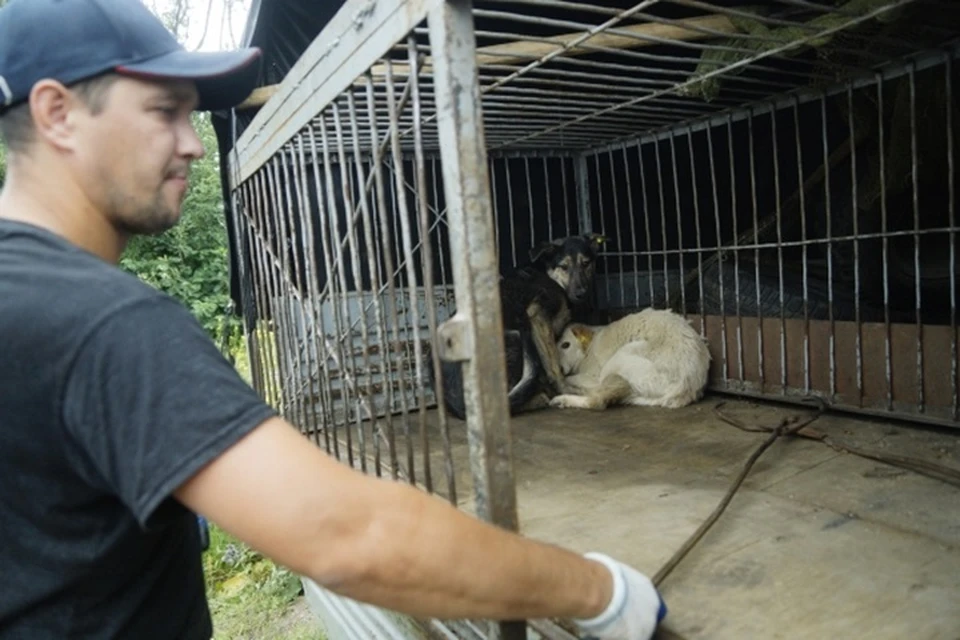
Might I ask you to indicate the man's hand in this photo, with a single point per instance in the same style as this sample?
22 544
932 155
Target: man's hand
634 611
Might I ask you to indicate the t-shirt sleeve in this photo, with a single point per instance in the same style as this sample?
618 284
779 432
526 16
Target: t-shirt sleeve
150 400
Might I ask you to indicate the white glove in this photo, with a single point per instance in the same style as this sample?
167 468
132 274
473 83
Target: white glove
635 609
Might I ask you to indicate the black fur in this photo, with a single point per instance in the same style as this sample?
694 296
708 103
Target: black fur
531 290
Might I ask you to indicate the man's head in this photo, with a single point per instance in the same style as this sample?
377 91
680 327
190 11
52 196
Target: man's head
101 92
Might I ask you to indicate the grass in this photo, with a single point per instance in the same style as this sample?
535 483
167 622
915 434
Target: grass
251 598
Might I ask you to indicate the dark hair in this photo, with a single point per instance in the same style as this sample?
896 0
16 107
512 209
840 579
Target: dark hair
16 125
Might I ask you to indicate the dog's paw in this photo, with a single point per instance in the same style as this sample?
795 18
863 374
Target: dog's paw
569 401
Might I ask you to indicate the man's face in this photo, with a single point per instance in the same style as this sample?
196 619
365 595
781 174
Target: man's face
134 155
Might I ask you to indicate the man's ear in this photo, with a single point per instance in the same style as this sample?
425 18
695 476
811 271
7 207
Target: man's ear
53 108
544 250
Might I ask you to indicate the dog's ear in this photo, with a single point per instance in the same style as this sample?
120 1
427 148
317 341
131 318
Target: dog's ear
582 333
544 250
595 240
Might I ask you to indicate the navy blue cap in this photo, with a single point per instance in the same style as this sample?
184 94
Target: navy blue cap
72 40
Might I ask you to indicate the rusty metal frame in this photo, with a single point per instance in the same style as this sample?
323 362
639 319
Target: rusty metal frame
473 335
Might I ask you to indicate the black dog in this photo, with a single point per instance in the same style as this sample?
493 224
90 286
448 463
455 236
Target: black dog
537 302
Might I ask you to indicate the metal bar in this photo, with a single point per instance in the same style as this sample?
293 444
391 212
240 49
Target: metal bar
881 152
756 251
426 262
719 231
526 175
646 224
679 217
783 323
855 209
584 214
663 228
477 288
633 227
736 251
801 193
602 215
951 195
828 204
914 174
388 349
696 218
616 222
513 217
546 188
403 217
310 253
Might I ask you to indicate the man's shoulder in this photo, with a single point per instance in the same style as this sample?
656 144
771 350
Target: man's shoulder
55 286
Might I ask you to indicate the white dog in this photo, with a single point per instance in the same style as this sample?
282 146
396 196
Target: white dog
650 358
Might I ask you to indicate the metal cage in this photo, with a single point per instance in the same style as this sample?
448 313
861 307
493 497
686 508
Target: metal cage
784 176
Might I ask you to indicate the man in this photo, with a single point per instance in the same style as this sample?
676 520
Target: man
119 419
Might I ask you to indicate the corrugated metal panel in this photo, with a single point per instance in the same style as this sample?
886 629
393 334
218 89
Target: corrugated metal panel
353 366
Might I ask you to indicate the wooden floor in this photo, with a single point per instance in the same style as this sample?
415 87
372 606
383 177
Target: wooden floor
816 544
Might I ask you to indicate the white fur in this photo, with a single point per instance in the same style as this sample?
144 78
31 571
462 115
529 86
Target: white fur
664 360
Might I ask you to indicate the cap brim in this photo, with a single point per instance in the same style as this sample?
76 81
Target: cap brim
223 78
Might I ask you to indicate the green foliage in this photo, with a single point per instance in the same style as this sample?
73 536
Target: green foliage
190 262
250 597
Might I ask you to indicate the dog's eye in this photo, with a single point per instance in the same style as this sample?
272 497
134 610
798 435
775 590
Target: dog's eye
565 345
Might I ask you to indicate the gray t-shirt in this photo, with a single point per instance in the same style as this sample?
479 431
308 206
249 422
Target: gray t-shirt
111 395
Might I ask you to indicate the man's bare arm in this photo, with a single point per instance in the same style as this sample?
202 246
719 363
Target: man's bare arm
385 542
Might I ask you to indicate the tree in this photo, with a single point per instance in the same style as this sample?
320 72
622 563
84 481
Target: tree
190 261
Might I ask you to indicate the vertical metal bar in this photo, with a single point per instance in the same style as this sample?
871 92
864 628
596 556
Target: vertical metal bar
350 183
284 295
783 321
526 173
679 216
319 326
828 204
250 213
914 171
584 216
345 329
300 296
646 223
801 192
497 217
602 216
546 188
426 256
734 211
885 245
633 227
435 186
306 285
513 228
951 194
387 254
756 251
696 219
566 193
856 246
408 260
719 242
268 345
460 128
619 236
374 283
663 227
328 209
